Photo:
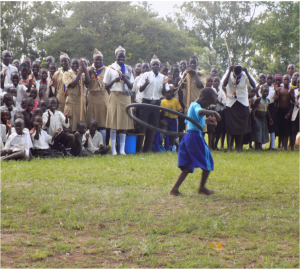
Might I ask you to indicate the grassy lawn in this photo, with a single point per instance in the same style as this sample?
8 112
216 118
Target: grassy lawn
106 211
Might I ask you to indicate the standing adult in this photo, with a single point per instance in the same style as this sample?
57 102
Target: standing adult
118 80
237 118
97 94
58 83
7 68
153 85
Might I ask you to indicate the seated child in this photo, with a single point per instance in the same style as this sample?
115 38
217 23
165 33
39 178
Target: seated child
53 120
5 123
259 133
193 151
22 91
28 104
41 140
18 144
19 115
33 95
158 145
93 140
76 148
171 103
8 105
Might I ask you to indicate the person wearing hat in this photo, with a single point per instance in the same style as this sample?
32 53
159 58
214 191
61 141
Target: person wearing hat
97 94
58 81
153 85
118 79
237 113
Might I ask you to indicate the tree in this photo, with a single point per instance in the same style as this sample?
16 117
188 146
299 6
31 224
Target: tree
106 25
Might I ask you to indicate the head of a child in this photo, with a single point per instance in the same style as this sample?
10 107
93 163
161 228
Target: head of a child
28 62
65 63
67 130
49 60
207 97
294 78
43 74
36 67
175 71
16 63
5 116
24 70
170 94
269 78
138 69
264 91
213 72
38 119
278 79
33 92
28 103
38 111
193 62
13 91
98 61
43 105
291 69
145 67
6 57
93 125
52 68
8 99
52 104
183 65
209 82
216 83
164 69
15 78
81 127
19 115
261 79
19 126
163 124
286 80
74 64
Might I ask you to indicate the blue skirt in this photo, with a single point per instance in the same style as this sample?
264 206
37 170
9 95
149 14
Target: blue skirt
172 124
193 152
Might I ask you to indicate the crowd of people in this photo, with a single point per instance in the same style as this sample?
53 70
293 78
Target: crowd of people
78 108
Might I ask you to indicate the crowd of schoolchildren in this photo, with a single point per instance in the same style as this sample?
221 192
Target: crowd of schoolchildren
78 108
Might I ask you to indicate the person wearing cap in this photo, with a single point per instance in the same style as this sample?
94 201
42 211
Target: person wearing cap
97 94
153 85
118 79
58 81
237 114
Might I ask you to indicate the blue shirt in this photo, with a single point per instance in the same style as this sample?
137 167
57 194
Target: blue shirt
193 113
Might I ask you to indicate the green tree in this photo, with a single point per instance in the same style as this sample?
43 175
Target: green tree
106 25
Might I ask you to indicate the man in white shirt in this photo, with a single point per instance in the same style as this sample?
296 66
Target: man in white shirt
153 85
7 68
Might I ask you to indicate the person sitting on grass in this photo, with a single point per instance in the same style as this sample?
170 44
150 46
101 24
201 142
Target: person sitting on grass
5 121
76 148
40 140
9 105
19 115
18 144
93 140
193 151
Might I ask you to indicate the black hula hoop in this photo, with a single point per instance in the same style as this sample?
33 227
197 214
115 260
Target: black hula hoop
156 129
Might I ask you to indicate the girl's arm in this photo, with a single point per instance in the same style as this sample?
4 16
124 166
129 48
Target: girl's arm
209 112
251 81
225 82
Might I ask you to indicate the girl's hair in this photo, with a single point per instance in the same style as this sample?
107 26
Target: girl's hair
36 62
24 65
194 57
163 66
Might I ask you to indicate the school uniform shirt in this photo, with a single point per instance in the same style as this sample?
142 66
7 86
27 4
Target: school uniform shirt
2 97
193 113
138 95
296 109
13 130
111 74
270 95
1 144
12 113
154 90
93 143
3 132
10 69
57 120
241 89
221 98
171 104
43 141
17 142
58 84
21 93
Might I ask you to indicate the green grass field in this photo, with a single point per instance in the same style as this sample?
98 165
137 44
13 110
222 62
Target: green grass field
105 211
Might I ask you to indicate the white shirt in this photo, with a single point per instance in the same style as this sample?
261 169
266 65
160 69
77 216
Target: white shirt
17 142
296 109
10 68
57 120
42 142
12 113
221 98
21 93
3 132
111 74
13 130
153 90
241 89
138 95
93 143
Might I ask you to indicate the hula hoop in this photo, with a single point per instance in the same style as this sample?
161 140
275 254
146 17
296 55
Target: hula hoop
156 129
